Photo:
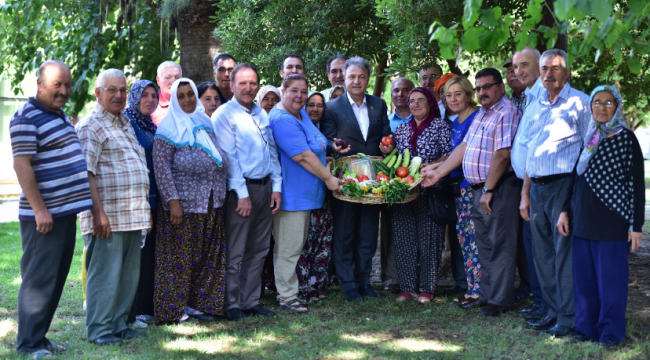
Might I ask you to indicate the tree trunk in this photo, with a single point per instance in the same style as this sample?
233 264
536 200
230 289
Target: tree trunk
549 20
380 81
198 45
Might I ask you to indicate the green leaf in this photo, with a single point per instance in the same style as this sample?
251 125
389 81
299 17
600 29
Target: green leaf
471 39
600 9
487 17
488 40
471 12
634 64
563 8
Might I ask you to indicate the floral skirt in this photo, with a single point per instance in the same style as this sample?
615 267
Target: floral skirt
190 264
316 254
465 231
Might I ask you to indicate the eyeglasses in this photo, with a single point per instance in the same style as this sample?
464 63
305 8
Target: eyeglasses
222 69
485 87
311 105
432 77
420 101
599 105
114 91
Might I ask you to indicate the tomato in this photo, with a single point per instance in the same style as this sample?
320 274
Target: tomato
361 178
402 172
409 179
349 180
387 141
382 176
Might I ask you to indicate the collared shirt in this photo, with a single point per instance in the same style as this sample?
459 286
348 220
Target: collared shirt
119 165
247 140
58 163
519 150
161 111
395 120
492 129
556 131
519 103
361 113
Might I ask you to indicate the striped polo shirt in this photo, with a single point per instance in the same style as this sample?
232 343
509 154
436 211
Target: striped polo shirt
58 162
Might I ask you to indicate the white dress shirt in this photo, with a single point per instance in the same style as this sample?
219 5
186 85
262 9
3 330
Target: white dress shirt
247 140
519 151
442 109
361 113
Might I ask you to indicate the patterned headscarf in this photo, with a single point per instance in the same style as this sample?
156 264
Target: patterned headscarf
597 131
434 113
442 81
133 110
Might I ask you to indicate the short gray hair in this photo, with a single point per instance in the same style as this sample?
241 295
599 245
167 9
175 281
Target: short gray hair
108 74
39 72
357 61
168 64
401 79
549 54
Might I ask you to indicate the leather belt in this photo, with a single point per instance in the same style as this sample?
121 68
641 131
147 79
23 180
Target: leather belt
543 180
477 186
262 181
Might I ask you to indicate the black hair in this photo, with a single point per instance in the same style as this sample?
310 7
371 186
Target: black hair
183 83
291 56
223 56
496 74
204 86
243 66
334 57
433 65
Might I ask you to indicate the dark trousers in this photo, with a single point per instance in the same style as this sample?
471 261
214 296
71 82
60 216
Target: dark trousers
535 288
247 244
522 261
457 262
143 301
552 250
44 268
600 278
388 266
356 228
496 238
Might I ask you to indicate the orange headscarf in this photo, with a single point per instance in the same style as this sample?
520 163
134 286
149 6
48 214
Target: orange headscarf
442 81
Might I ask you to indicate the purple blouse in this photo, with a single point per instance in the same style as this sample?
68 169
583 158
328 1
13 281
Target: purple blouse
189 175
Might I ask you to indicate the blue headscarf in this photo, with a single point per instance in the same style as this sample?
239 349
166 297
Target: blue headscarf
133 111
597 132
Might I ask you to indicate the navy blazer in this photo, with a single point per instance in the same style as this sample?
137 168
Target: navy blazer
339 122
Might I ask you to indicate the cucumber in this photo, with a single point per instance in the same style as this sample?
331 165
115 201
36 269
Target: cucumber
382 168
398 162
407 156
361 155
389 157
391 162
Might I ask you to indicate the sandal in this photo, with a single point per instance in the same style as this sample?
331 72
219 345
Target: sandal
405 296
41 354
54 347
424 298
294 305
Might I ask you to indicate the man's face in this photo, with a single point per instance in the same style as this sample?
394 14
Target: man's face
292 66
356 80
165 82
526 67
335 75
488 92
513 80
222 73
112 96
553 73
429 77
400 93
246 86
54 92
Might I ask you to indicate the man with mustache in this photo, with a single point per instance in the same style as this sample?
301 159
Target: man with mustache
168 72
518 96
485 157
254 184
558 121
112 230
334 74
52 173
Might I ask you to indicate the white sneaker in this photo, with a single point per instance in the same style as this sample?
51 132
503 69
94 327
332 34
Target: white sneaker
137 324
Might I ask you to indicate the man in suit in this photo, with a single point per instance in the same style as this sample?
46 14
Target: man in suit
361 120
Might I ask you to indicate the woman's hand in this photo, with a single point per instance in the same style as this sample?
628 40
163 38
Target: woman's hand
635 239
429 167
563 225
175 212
386 149
333 183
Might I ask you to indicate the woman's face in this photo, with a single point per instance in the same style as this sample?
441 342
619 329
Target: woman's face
148 101
268 101
603 107
419 105
336 93
210 100
186 98
457 99
315 108
295 96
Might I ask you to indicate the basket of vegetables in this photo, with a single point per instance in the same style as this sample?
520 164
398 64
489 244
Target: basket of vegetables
376 180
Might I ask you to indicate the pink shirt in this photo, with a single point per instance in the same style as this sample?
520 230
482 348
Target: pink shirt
161 110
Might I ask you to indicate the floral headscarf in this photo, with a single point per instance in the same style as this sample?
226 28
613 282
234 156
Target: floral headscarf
133 110
597 131
434 113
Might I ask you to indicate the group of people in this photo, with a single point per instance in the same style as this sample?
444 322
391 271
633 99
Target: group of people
195 199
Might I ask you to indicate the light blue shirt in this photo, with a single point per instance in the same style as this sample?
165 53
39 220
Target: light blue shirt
556 132
519 150
395 120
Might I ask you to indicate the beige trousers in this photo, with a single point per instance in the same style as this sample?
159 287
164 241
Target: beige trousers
290 232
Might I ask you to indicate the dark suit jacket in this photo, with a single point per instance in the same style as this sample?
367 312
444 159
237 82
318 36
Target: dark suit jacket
339 122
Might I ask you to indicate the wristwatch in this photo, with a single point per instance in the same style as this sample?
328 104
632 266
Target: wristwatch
486 190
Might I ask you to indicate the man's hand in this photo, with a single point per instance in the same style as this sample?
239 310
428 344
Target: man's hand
101 225
44 222
386 149
524 208
276 202
338 149
430 178
244 207
175 212
486 199
635 239
563 225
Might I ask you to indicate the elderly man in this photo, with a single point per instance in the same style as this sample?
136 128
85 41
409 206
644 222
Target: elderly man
526 66
112 230
518 96
362 121
485 157
254 184
558 121
399 94
222 69
428 76
335 74
52 173
168 72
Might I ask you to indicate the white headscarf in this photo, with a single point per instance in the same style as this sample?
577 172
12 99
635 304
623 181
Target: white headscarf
181 129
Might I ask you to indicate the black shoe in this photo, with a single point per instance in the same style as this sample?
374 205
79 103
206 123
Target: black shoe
528 309
544 324
536 315
129 334
472 303
609 344
258 310
454 291
108 339
392 288
202 317
369 291
520 295
558 331
492 310
578 338
352 295
234 315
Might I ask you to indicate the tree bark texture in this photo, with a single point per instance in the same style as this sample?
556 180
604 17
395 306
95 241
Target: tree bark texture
380 81
549 20
198 45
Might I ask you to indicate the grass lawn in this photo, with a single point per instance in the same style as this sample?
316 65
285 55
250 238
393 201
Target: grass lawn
333 329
